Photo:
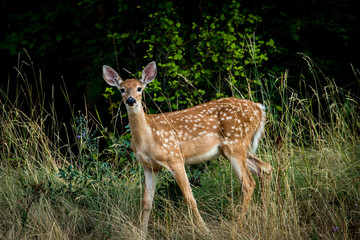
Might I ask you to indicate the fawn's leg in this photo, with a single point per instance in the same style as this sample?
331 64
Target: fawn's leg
262 170
237 158
184 184
150 184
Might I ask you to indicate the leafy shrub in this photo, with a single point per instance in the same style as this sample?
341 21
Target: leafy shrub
201 60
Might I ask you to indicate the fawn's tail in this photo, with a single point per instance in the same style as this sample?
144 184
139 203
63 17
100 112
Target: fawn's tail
259 132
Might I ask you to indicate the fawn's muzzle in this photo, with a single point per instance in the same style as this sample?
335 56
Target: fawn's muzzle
130 101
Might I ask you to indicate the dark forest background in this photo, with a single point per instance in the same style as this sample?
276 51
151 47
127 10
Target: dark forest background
244 42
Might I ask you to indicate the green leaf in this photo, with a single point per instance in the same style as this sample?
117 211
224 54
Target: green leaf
202 92
178 57
270 43
124 35
58 37
174 106
295 36
160 99
214 58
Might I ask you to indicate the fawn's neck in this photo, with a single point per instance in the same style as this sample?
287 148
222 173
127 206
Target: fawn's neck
139 125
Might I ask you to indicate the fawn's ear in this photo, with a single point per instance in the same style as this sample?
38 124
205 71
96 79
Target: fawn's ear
111 76
149 73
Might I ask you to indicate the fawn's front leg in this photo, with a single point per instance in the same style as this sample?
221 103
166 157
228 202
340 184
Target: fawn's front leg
184 184
150 184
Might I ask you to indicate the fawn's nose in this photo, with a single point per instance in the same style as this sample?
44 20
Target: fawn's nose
130 101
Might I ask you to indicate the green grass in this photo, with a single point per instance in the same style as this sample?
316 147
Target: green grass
53 188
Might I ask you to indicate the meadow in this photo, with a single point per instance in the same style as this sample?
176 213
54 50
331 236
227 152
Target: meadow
59 181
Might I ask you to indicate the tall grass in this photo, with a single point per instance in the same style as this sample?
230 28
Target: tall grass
53 188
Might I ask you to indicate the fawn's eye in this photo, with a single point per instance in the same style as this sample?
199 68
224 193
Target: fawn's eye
122 90
139 89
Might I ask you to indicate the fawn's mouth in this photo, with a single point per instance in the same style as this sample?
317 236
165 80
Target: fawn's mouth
131 106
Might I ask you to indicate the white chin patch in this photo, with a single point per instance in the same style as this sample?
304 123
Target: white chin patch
133 109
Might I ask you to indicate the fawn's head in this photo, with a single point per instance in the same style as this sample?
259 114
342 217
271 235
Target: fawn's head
130 89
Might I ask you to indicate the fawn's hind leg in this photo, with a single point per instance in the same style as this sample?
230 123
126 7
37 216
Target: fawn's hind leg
263 170
237 158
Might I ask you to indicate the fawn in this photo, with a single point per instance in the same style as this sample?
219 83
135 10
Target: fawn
230 127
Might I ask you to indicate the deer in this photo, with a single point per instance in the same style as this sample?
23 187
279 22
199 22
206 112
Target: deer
231 127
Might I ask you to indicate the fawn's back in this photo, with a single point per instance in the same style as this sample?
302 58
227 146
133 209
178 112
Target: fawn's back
196 134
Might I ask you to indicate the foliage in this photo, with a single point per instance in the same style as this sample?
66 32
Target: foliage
201 60
214 45
92 165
